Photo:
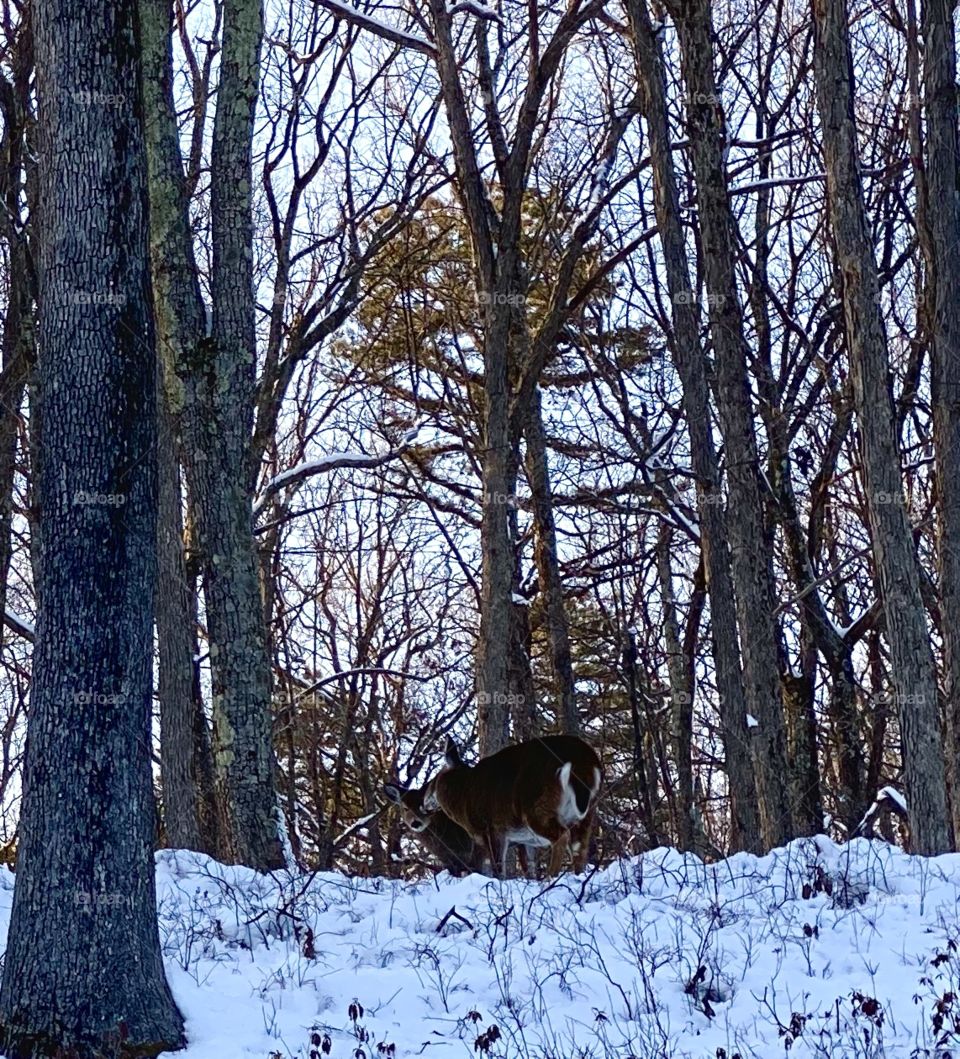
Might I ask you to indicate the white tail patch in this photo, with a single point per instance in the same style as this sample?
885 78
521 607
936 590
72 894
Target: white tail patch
568 812
552 771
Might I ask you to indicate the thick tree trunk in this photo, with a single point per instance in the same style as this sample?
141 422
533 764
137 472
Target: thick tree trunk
548 567
898 573
214 402
499 469
689 356
221 392
940 77
88 980
750 546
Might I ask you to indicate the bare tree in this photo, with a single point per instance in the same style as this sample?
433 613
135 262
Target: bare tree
750 545
943 221
689 356
912 668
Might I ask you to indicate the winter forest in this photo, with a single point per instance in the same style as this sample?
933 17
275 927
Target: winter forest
577 382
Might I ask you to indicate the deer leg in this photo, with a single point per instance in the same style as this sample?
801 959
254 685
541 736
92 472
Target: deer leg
557 853
580 835
497 849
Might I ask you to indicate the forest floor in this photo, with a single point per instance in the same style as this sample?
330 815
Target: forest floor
814 950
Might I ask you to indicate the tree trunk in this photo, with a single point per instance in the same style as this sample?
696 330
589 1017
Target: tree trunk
18 355
18 181
88 980
893 548
646 790
214 402
690 360
750 546
186 761
548 567
940 77
681 693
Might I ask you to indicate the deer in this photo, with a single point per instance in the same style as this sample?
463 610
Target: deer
446 840
541 793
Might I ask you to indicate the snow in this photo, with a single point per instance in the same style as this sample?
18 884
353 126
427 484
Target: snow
890 794
474 7
333 461
752 722
813 950
383 29
20 625
895 796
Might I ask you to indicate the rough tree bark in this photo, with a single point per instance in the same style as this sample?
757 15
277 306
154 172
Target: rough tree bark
213 400
548 567
512 358
186 760
898 574
940 83
689 356
750 546
681 693
88 980
17 182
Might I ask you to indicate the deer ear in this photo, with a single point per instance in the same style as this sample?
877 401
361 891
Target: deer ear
392 792
452 754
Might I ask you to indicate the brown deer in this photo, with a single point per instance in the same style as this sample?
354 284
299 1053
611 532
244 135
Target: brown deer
446 840
542 793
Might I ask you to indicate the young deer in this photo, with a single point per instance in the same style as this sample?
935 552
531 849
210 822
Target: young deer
446 840
539 793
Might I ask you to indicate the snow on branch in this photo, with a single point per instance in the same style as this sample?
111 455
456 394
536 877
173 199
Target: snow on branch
20 626
368 22
888 799
333 461
474 7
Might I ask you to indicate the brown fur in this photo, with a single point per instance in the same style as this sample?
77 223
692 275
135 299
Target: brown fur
446 840
519 790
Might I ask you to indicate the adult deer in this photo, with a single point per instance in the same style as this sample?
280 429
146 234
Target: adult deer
542 793
445 839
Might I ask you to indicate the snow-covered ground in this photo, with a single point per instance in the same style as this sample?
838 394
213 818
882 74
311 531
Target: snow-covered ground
814 950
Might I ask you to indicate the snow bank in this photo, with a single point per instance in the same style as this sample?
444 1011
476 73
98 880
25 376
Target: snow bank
813 950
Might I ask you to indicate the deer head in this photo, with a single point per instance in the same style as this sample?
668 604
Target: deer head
444 838
539 793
